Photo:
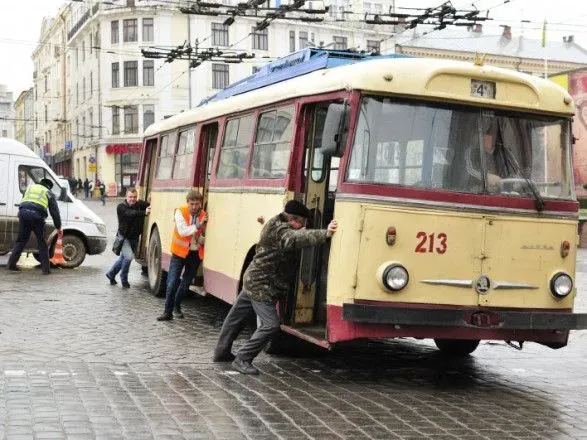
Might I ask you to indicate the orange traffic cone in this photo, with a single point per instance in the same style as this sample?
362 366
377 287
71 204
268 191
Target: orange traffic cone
58 253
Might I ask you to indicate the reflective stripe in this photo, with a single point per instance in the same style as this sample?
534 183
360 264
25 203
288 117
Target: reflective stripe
36 193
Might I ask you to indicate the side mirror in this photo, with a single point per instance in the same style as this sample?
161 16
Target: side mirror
335 129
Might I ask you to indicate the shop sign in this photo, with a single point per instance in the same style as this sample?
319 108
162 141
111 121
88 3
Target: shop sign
92 167
123 148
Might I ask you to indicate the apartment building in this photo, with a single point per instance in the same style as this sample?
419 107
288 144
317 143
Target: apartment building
24 123
95 93
7 114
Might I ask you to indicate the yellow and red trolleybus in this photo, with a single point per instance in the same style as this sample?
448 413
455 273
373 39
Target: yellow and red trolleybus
451 183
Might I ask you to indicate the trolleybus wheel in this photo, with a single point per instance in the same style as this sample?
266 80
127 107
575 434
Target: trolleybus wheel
156 275
457 347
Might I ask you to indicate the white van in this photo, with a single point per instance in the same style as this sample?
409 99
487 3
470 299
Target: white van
83 231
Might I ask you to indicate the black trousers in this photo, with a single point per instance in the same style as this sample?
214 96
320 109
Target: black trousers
235 320
30 221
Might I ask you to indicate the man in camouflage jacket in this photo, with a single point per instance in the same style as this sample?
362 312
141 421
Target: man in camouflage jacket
267 280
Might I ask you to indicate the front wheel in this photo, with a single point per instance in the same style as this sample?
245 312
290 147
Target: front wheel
456 347
155 273
74 251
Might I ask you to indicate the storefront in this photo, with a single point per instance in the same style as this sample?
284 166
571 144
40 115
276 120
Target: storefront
126 164
62 163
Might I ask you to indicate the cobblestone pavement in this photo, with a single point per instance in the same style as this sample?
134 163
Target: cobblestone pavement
80 359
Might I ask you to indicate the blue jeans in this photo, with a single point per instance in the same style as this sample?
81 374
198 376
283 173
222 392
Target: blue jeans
177 289
122 265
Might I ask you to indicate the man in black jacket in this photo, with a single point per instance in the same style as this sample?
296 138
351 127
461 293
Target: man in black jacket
131 215
37 200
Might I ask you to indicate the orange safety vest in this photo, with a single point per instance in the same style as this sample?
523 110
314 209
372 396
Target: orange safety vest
180 246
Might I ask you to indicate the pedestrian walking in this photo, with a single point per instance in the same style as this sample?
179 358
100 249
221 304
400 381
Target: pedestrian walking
91 188
187 251
267 280
37 200
86 187
80 184
131 215
102 189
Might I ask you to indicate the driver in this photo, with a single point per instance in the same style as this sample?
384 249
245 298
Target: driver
492 156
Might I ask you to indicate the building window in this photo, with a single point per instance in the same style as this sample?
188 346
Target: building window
373 46
219 34
83 51
131 119
46 114
46 82
91 44
114 31
148 115
129 30
292 41
84 130
83 90
260 39
115 119
77 143
77 94
91 122
220 78
148 73
148 29
115 75
131 74
91 83
340 43
303 39
235 148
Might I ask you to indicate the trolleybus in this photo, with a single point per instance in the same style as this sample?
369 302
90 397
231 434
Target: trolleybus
451 182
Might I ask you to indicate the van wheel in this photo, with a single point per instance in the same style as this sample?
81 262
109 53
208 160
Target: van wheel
457 347
157 276
74 251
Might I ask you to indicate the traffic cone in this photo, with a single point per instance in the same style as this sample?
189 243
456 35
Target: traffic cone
58 253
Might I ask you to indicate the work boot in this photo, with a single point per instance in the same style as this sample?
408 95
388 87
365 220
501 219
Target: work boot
244 367
165 317
125 284
111 279
224 357
177 313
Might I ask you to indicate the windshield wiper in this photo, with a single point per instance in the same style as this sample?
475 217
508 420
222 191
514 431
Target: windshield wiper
533 188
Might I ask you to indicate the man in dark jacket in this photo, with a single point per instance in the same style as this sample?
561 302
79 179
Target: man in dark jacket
37 200
267 280
131 215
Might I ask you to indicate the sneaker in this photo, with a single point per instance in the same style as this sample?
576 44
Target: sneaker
125 284
164 317
225 357
111 279
244 367
178 313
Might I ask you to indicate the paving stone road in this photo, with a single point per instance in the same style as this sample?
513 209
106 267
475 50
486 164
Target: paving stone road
80 359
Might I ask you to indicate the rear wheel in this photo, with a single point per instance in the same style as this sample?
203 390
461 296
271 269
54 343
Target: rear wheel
156 275
457 347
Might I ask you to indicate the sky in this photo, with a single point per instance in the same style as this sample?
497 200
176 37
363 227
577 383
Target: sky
20 24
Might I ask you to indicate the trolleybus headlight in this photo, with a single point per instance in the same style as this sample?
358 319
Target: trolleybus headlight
395 277
561 285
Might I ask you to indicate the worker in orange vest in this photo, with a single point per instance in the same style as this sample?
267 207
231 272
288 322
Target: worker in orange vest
187 251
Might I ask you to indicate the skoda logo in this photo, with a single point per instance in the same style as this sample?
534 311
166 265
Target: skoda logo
482 285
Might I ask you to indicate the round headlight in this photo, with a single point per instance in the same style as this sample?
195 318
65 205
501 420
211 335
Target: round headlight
561 285
395 277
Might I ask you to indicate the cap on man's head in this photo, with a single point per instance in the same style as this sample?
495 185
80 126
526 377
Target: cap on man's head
294 207
46 183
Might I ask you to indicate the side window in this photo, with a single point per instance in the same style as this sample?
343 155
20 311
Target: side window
28 174
184 156
235 147
165 159
273 143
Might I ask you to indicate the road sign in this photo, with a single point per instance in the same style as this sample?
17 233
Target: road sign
92 159
68 145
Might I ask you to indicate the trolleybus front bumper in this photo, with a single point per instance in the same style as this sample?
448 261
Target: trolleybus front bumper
464 317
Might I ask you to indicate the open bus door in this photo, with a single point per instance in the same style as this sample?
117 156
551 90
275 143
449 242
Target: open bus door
206 151
146 184
308 305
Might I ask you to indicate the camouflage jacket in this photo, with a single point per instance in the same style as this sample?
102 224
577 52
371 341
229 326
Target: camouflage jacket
273 269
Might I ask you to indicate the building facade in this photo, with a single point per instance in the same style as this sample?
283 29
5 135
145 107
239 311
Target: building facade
24 123
7 115
95 93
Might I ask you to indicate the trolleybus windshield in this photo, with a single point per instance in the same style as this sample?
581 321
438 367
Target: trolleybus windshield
461 149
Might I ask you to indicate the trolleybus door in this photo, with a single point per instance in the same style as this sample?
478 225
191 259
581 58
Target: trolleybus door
150 154
312 280
206 151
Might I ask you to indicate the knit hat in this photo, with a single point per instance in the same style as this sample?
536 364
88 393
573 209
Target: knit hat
46 183
294 207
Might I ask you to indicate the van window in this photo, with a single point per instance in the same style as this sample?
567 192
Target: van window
29 174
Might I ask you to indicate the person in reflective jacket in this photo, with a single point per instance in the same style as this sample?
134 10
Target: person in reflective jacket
37 202
268 279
